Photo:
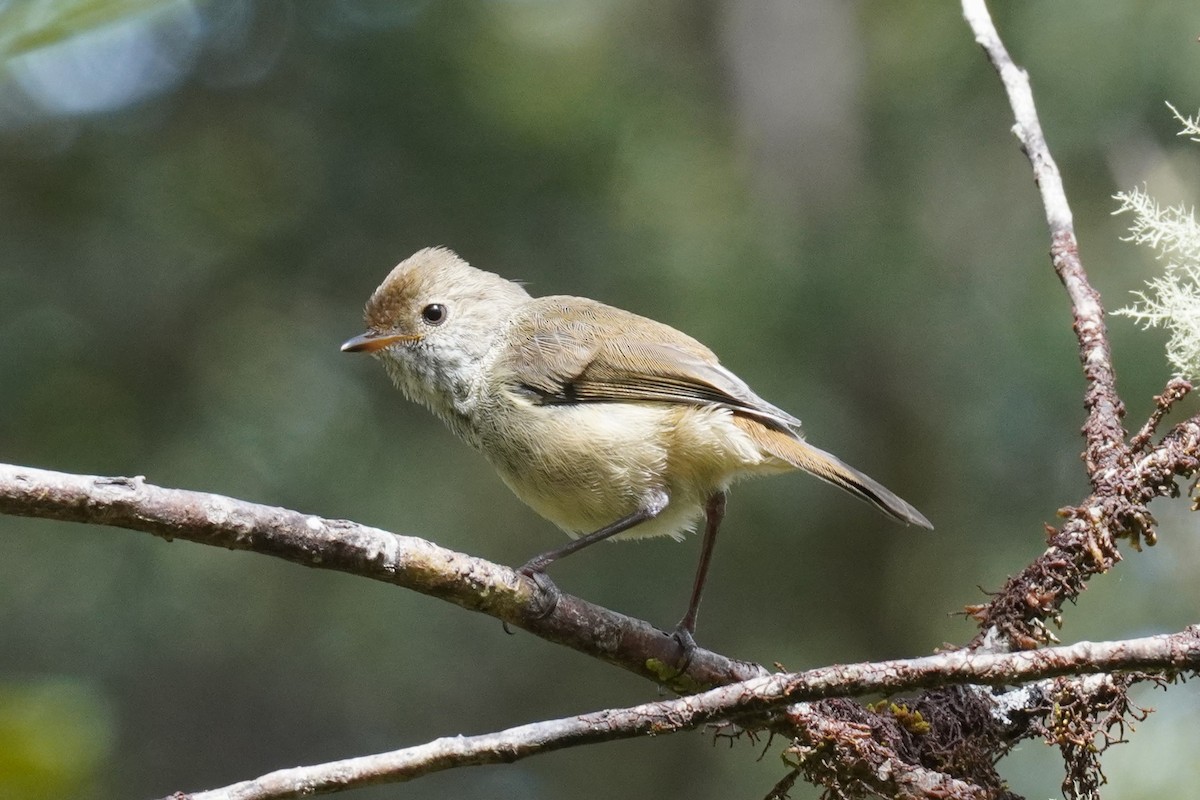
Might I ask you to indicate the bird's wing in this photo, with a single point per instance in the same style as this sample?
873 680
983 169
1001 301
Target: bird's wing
573 350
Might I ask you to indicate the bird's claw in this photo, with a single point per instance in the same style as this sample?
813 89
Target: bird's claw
548 593
687 647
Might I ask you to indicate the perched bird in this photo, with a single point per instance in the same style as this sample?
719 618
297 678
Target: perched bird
606 423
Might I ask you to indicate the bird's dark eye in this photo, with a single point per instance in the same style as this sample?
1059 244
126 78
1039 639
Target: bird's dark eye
434 313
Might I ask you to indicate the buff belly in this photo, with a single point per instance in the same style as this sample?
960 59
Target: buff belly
611 459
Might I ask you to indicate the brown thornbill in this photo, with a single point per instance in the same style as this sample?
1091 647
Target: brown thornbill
606 423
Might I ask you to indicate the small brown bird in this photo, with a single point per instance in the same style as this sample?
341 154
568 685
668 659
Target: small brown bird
604 422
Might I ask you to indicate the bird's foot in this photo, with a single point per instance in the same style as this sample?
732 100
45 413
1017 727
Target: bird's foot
687 646
548 593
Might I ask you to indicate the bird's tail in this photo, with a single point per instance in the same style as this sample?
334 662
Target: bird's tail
832 469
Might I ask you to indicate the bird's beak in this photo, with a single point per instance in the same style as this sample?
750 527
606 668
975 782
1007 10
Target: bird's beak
370 342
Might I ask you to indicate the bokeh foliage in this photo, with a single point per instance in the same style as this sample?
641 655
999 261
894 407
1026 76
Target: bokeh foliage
196 199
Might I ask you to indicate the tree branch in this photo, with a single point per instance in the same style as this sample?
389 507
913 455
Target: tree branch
1103 430
745 701
425 567
883 763
852 760
312 541
1085 545
406 561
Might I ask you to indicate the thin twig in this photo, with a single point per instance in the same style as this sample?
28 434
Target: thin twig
1176 389
1169 653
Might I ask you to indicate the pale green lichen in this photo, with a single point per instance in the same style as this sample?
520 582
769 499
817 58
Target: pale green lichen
1171 300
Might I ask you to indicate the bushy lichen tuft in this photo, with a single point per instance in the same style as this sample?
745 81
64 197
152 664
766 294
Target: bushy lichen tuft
1172 300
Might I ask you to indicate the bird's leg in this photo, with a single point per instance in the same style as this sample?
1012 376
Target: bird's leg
535 568
714 512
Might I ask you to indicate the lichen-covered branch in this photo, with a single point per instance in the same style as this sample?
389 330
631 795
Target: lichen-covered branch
829 734
1124 477
1176 390
1083 717
826 732
1085 544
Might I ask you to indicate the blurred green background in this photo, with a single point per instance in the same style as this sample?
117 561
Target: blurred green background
197 198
